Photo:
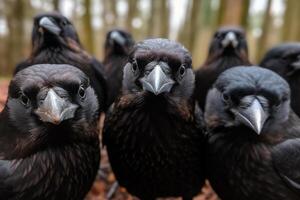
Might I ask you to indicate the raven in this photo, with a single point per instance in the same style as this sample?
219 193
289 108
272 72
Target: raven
228 48
48 135
153 131
118 44
253 146
284 59
55 41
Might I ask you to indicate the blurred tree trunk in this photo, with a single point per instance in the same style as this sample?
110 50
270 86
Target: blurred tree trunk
150 20
56 5
15 43
132 13
291 25
156 24
287 19
230 12
263 40
113 6
190 29
245 14
185 27
221 12
88 27
206 16
165 15
194 24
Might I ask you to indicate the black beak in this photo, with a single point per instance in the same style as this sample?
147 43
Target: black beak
157 81
50 26
230 39
253 116
55 109
117 37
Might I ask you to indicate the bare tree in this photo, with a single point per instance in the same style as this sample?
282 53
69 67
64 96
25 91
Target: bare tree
165 15
132 12
15 21
88 28
245 13
56 5
263 40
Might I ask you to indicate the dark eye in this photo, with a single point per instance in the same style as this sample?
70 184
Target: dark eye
64 23
24 99
182 70
225 97
276 104
134 65
81 92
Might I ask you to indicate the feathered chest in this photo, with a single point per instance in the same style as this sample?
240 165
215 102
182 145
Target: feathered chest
241 167
151 139
57 173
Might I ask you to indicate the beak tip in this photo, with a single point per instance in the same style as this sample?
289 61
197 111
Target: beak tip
157 81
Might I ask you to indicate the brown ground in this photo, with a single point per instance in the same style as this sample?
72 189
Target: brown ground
105 178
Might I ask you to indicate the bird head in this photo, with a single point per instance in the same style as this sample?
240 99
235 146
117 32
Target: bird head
53 29
248 96
118 42
159 67
52 97
229 41
283 59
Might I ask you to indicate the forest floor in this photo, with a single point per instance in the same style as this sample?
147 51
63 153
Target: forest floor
105 179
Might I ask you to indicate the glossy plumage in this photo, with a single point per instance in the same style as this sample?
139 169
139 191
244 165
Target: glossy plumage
63 47
228 48
48 160
118 45
284 59
246 162
153 131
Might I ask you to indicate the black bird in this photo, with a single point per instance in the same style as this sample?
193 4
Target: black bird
55 41
284 59
228 48
49 147
153 131
253 149
118 44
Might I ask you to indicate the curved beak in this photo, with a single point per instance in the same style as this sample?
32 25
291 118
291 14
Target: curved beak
50 26
296 65
55 109
117 37
253 116
157 81
230 39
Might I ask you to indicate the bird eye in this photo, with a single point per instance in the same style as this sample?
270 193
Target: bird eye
81 92
225 97
276 104
64 23
134 65
24 99
182 70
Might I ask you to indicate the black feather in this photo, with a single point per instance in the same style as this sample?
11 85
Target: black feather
281 59
117 49
65 48
40 160
155 142
219 59
242 164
